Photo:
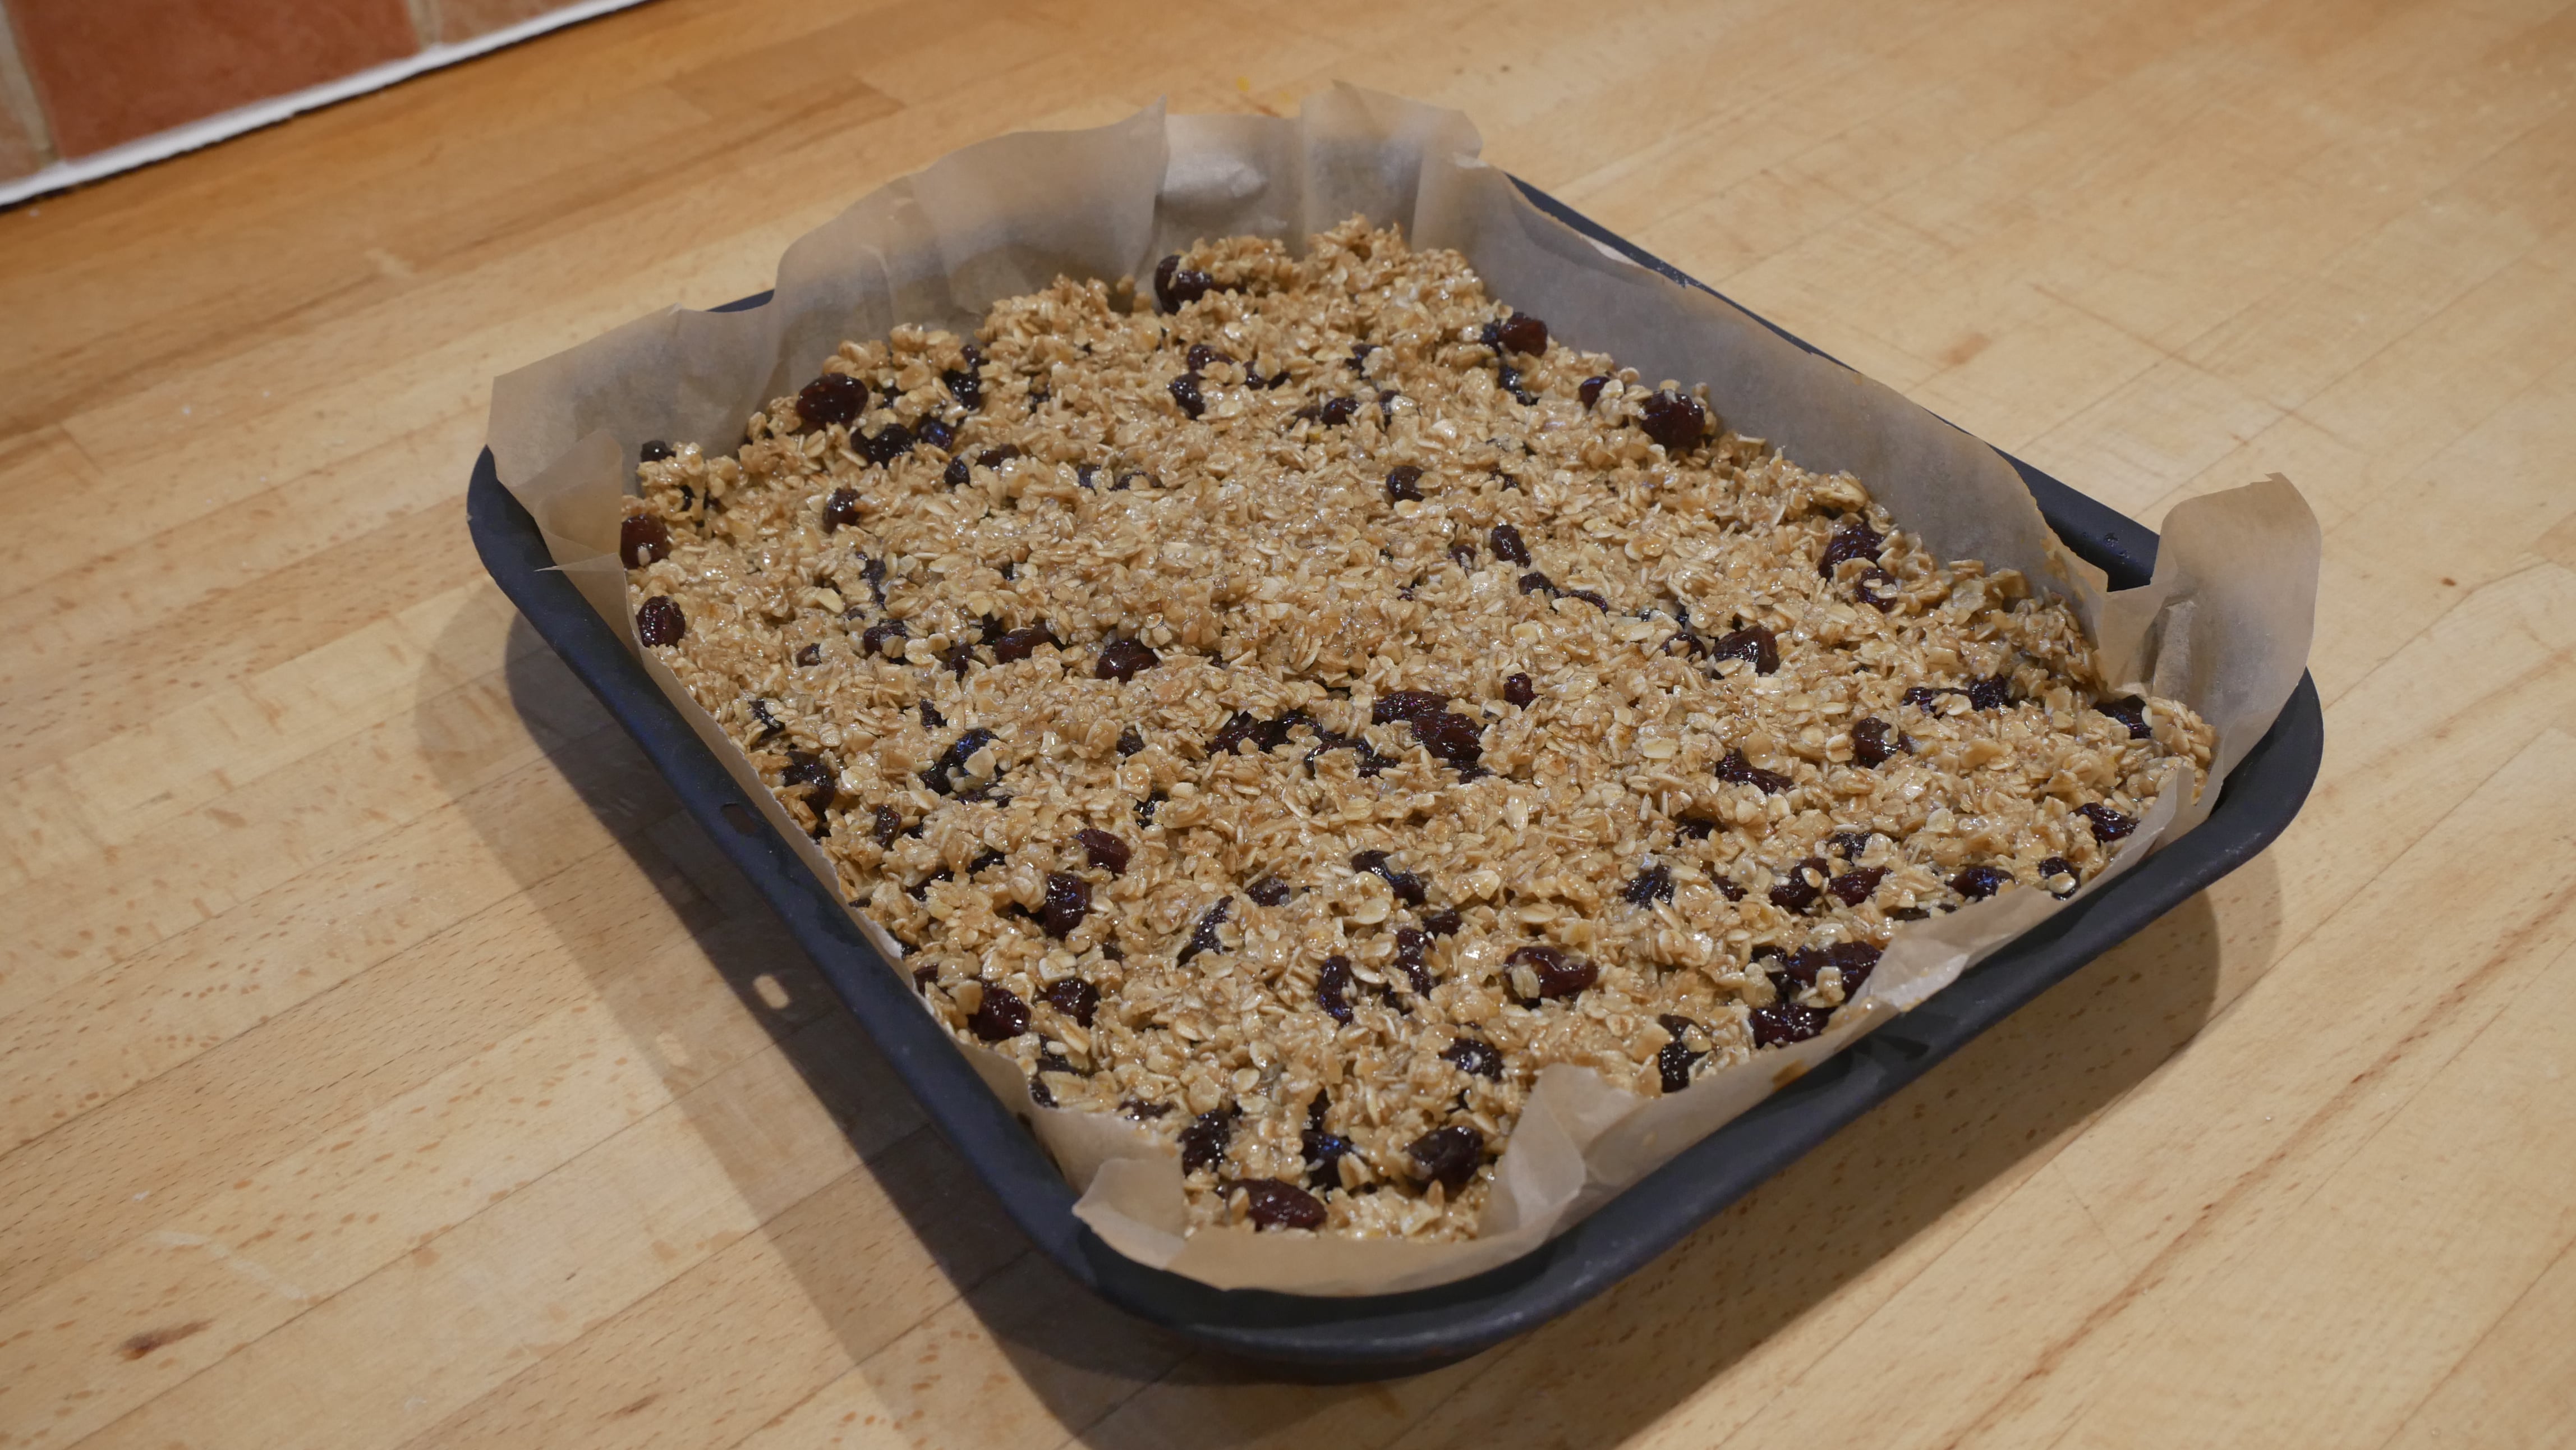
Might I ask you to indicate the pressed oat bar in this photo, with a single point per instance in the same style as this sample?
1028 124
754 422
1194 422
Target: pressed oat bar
1293 700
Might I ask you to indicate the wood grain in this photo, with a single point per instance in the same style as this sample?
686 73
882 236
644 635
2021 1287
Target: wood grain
385 1062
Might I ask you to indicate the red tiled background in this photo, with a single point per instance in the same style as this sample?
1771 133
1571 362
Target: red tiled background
85 75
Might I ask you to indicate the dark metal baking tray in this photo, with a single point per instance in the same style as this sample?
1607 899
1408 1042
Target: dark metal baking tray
1402 1333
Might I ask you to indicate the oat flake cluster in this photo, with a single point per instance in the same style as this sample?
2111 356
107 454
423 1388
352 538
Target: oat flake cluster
1294 701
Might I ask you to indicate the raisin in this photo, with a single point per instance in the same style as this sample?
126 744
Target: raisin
1039 1092
931 719
1673 1063
1068 901
1507 545
654 450
1854 886
1649 886
2054 867
1406 886
1991 693
1448 1156
832 398
1851 541
957 474
1508 379
1185 392
1673 420
937 433
1275 1204
873 638
1754 644
1323 1152
1471 1056
874 572
985 860
1145 810
1200 355
1073 997
2108 825
957 657
889 825
1444 922
2131 711
1268 891
1402 482
1336 412
1521 333
1332 985
1698 828
966 386
1203 1141
1785 1022
1241 728
996 457
888 444
1412 706
1535 582
1876 588
643 539
1979 882
958 753
1143 1111
1130 741
769 723
1518 690
1855 960
1589 597
1873 742
1590 392
659 622
841 509
1121 659
1000 1017
1176 286
1797 893
1204 938
1558 976
1019 644
810 655
1736 770
1106 851
1848 844
809 770
1925 698
1412 945
1086 474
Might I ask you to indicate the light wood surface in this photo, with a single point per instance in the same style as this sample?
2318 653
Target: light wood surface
384 1063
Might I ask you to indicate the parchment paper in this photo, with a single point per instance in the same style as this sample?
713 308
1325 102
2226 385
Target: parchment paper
2224 627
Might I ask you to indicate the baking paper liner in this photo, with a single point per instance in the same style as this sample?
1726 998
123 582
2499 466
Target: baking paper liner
2224 626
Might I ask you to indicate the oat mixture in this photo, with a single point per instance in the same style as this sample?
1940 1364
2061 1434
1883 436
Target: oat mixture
1291 702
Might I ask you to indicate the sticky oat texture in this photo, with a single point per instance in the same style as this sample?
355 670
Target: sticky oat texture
1291 702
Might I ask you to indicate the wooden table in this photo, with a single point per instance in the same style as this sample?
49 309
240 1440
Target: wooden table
382 1061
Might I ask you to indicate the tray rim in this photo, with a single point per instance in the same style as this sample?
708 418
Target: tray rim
1380 1335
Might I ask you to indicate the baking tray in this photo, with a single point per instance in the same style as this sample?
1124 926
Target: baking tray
1390 1334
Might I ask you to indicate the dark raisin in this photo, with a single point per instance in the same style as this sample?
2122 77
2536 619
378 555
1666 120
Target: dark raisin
1848 844
1402 482
985 860
1412 947
1925 698
1507 545
832 398
874 572
1185 392
1785 1022
1590 392
1673 1063
931 719
1000 1017
1876 588
1589 597
1204 938
769 723
873 638
966 386
957 474
1274 1204
1507 379
2108 825
1444 922
1448 1156
1518 690
1039 1092
1673 420
659 622
1143 1111
1268 891
1806 882
810 655
1241 728
1535 582
1201 355
1558 975
921 888
1336 412
654 450
1203 1141
812 771
957 657
1520 333
1130 741
1087 475
889 825
1754 644
888 443
1873 742
2131 711
1649 886
1176 286
1855 960
1854 886
1407 705
1068 901
688 498
1323 1152
1145 810
937 434
1332 988
1406 886
1851 541
1469 1055
1991 693
1736 770
1106 851
1073 997
643 539
958 753
923 976
1979 882
2054 867
1019 644
1121 659
1698 828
